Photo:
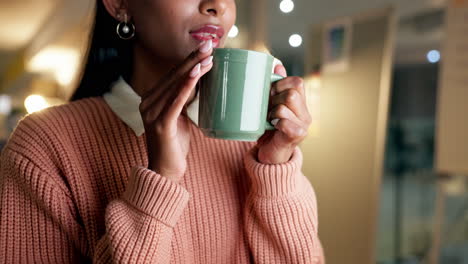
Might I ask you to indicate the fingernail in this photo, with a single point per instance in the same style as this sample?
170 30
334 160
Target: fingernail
207 61
195 71
206 46
274 122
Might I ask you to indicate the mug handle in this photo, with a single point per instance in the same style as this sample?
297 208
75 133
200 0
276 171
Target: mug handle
274 78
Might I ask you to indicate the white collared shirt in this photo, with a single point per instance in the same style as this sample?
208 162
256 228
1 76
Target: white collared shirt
125 103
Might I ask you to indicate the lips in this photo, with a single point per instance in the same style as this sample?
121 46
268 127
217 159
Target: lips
207 32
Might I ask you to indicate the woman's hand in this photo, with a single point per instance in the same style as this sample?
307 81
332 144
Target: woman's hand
167 130
288 110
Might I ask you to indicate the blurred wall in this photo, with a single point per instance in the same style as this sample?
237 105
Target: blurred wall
344 162
452 125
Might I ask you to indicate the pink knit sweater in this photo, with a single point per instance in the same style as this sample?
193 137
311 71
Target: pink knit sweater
74 188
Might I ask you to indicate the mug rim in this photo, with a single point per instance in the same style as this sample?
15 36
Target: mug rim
245 50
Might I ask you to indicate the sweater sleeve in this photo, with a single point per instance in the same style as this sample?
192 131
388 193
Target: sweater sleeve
140 225
37 216
281 213
38 219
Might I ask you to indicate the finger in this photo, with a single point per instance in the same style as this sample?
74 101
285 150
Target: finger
291 133
152 106
181 99
292 82
159 95
281 70
292 99
159 108
202 54
161 91
283 112
167 90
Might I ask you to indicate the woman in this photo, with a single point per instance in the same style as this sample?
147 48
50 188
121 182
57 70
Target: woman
122 175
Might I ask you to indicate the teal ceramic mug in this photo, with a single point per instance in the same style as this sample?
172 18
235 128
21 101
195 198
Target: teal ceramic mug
234 95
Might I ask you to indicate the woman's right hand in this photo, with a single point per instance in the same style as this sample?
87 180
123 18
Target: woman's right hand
167 130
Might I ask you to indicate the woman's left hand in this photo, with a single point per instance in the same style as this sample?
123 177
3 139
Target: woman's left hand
288 110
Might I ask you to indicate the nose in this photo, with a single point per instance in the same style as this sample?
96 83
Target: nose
213 7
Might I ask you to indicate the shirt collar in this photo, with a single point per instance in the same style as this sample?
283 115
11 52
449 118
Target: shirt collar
125 103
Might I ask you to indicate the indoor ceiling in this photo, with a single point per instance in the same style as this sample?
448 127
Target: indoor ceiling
20 20
29 26
310 12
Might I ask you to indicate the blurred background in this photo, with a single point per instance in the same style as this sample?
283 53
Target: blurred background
386 81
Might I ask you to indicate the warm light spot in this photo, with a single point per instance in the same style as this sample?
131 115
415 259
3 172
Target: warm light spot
35 103
61 62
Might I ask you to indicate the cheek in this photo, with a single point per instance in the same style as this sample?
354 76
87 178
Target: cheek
231 14
153 20
229 21
160 28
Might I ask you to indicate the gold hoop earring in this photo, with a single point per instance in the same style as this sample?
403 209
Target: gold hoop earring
125 30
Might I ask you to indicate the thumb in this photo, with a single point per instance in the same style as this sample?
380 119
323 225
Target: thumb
280 70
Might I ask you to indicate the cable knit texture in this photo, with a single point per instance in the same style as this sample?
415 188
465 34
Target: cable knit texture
74 188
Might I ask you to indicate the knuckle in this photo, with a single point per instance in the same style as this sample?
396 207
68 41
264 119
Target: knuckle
282 109
176 101
199 55
193 55
147 116
296 133
147 119
196 56
160 128
274 89
291 96
298 82
280 126
142 107
145 106
144 113
290 134
302 133
293 132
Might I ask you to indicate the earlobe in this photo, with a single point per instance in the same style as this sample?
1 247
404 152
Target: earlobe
116 8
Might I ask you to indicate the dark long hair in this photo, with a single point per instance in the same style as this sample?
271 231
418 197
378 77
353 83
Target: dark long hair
109 57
